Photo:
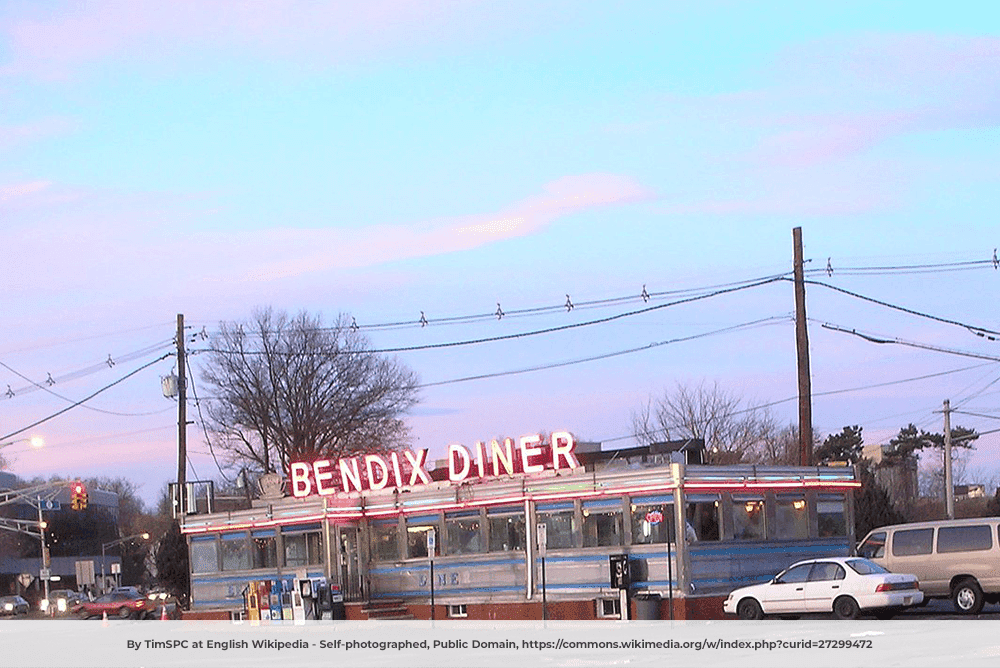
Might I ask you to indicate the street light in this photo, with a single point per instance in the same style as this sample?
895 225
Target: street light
144 535
35 441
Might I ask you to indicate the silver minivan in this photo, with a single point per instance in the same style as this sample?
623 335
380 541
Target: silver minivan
956 559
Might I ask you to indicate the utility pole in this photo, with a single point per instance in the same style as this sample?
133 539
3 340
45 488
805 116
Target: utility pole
802 356
949 489
181 417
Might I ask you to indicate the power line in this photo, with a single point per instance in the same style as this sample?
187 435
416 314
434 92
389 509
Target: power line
650 346
85 399
873 338
978 331
520 335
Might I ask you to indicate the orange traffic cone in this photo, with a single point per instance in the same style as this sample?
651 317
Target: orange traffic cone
104 618
163 612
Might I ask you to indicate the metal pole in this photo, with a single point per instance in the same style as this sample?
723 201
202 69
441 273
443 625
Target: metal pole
670 570
104 582
432 588
545 603
949 489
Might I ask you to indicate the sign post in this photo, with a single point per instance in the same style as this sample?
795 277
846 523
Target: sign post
655 517
431 547
542 531
620 580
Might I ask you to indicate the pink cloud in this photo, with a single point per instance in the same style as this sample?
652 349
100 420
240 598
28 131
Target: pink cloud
54 45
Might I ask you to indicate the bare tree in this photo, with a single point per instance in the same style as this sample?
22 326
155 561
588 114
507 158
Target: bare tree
733 430
288 389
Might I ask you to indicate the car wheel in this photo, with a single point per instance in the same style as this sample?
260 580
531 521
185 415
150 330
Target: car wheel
968 597
748 608
124 613
846 607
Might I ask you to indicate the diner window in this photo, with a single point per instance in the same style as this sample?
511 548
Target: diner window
702 518
602 524
748 518
506 529
385 544
609 608
416 534
204 555
303 548
652 520
560 522
791 517
831 515
458 610
264 549
464 532
235 556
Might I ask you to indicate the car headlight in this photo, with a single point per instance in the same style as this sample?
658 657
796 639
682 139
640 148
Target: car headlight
8 606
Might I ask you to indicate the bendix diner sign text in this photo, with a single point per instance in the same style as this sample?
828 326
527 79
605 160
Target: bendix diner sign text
530 454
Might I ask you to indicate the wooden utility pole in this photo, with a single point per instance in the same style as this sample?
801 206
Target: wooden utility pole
181 417
949 483
802 356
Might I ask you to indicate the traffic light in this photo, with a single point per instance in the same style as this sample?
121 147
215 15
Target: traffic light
78 496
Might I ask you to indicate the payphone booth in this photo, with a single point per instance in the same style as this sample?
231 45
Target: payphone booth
264 599
251 601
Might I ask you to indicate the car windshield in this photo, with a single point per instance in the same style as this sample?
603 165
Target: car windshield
865 567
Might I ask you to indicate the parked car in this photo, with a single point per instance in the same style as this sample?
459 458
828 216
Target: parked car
954 559
163 601
846 586
13 605
121 603
60 601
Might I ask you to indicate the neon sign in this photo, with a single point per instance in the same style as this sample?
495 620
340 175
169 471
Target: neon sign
529 455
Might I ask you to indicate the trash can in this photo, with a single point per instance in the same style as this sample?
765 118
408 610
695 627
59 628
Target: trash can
647 606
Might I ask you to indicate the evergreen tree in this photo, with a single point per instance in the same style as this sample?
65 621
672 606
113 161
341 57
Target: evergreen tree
872 505
843 447
172 564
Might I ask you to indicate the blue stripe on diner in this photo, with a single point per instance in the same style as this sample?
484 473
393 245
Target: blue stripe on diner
645 584
589 557
423 565
238 602
445 591
731 548
284 577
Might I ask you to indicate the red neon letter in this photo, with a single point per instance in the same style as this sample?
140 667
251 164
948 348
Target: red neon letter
505 456
562 446
322 474
481 459
349 474
300 479
417 462
394 457
383 474
530 448
463 454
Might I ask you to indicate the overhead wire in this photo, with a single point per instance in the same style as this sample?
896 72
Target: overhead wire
85 399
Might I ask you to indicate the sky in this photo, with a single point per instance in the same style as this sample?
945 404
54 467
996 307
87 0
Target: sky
394 158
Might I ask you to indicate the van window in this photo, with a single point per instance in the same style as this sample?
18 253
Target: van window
912 541
874 546
964 539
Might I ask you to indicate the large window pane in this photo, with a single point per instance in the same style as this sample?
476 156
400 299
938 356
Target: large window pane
652 523
235 555
791 518
964 539
831 515
507 529
703 520
912 541
265 550
416 535
748 518
302 549
385 546
560 526
602 526
204 556
464 533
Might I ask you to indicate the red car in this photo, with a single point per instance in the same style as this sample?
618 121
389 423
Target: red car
122 604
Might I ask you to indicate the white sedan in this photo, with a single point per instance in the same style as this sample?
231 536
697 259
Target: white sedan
842 585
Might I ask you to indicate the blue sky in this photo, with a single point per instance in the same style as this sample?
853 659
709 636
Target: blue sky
399 157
